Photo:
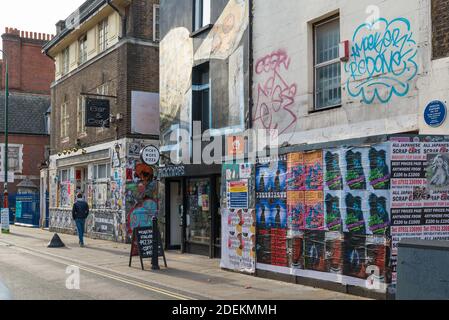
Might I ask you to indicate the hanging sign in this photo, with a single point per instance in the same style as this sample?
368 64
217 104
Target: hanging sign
98 113
150 155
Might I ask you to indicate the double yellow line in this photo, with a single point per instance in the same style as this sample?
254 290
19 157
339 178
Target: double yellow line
68 262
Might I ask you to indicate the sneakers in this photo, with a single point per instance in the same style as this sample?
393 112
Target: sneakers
82 245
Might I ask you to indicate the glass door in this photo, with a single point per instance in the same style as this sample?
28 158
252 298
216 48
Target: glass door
198 213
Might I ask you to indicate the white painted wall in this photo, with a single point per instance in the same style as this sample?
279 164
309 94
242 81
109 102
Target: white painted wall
289 28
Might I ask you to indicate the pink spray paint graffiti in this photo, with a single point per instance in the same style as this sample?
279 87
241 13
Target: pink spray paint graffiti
275 96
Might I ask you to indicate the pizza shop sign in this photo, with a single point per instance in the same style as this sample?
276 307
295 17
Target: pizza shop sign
150 155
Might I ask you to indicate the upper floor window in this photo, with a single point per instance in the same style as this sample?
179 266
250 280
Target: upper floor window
65 61
201 96
64 120
81 115
15 157
202 10
102 90
327 64
82 44
103 35
156 23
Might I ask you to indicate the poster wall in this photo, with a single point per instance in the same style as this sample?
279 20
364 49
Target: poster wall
271 211
420 187
337 204
239 240
238 218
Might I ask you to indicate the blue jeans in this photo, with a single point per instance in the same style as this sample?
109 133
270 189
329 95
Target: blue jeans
80 225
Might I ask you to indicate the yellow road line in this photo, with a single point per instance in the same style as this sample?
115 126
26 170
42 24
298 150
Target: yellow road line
69 261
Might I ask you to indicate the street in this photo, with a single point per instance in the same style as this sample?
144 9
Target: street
29 271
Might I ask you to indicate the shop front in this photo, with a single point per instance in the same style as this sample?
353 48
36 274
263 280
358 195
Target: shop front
192 209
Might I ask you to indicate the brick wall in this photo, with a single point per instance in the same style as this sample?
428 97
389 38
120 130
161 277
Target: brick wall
131 67
140 21
29 69
33 157
440 29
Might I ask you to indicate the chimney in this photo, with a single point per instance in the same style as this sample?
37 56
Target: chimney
60 26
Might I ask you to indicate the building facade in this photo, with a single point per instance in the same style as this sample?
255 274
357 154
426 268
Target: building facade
345 86
340 89
106 52
30 74
205 89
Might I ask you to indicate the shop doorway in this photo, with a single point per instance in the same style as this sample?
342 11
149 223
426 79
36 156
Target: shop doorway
199 216
175 219
81 181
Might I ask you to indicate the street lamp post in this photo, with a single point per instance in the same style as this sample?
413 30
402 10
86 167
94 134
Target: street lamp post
5 158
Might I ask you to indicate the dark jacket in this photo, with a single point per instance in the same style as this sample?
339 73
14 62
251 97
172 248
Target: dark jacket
80 210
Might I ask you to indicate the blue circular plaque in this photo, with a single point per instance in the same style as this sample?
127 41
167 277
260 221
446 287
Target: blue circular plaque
435 113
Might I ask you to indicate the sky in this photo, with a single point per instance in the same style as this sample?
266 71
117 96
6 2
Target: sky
35 15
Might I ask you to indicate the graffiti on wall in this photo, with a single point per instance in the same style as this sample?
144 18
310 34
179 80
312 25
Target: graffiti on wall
383 61
176 59
275 94
227 32
141 197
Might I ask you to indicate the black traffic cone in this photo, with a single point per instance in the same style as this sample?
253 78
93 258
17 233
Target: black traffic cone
56 242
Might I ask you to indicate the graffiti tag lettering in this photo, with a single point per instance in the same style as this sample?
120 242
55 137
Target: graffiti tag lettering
382 60
276 96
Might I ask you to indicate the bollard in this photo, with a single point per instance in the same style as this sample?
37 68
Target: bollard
155 258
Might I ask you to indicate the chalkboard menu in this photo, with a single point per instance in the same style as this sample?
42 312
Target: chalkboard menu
142 245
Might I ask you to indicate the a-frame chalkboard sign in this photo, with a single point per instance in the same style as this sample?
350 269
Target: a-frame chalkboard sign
142 245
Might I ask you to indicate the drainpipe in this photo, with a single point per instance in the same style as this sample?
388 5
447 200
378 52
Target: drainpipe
251 65
123 16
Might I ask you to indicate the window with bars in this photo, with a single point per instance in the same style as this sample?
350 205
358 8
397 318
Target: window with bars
156 24
64 120
103 35
202 13
327 64
81 115
82 45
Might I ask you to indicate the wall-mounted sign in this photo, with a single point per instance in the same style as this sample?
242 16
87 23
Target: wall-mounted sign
98 113
150 155
171 172
5 220
435 113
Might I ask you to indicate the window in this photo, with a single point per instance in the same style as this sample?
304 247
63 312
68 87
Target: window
202 9
81 115
64 188
327 64
65 61
201 96
103 35
156 24
15 158
82 44
102 171
64 120
104 91
101 186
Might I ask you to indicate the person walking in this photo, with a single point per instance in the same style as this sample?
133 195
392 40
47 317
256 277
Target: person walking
80 213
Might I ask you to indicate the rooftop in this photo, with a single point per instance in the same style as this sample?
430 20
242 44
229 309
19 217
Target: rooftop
26 113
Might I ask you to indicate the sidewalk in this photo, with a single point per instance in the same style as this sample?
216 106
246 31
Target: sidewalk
195 275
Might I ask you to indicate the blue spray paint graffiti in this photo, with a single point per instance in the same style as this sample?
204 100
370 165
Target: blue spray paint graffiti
382 62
